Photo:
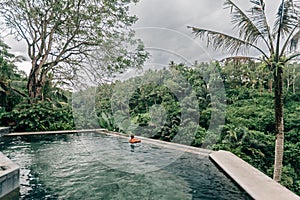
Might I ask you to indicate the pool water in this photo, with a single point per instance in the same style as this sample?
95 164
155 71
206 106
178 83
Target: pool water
94 166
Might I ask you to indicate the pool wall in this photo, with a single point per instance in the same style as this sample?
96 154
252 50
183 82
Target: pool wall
4 130
9 177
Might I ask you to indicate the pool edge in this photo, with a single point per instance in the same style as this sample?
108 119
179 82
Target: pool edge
258 185
4 130
176 146
9 178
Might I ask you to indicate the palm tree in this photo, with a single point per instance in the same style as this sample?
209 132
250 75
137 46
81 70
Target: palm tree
276 47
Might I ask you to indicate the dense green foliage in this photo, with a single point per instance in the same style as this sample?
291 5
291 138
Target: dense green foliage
249 133
43 116
12 81
249 129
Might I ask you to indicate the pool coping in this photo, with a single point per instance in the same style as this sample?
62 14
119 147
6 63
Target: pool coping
258 185
53 132
176 146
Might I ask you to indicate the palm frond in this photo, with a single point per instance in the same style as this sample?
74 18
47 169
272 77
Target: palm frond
292 42
287 18
223 41
258 17
240 59
292 57
251 28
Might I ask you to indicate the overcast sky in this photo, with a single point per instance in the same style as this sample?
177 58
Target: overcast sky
173 16
162 27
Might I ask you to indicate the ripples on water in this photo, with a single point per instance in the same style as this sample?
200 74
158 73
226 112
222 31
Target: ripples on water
93 166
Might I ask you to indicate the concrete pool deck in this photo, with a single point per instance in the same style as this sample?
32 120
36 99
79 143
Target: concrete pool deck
255 183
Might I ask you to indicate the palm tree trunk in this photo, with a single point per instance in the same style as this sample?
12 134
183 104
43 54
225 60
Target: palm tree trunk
279 144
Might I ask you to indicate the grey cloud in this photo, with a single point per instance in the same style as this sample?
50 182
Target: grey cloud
173 16
177 14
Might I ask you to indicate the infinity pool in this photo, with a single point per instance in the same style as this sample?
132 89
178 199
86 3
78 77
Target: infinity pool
95 166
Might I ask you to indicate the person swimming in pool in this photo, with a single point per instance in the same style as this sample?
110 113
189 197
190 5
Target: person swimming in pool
133 140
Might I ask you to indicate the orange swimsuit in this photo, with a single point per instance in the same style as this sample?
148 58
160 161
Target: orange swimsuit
133 140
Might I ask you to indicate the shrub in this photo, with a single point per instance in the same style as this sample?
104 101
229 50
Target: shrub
43 116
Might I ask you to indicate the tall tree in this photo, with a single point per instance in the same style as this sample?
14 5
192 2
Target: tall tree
276 45
64 36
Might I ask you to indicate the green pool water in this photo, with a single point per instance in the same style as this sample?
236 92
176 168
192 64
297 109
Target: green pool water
94 166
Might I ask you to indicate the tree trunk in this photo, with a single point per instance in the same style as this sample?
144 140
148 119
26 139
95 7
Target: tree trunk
35 85
279 144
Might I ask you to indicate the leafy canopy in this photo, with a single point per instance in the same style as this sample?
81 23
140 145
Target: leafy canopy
67 35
